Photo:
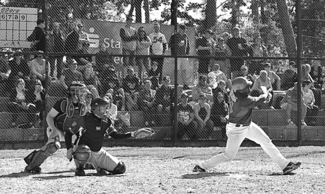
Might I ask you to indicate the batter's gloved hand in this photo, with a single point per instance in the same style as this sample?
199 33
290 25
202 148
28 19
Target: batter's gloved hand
143 133
69 154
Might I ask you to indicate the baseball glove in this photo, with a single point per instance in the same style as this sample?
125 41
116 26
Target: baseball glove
143 133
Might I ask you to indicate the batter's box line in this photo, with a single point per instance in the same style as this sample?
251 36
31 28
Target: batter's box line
204 175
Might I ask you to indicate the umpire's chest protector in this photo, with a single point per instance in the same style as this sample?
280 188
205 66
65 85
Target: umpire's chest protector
71 119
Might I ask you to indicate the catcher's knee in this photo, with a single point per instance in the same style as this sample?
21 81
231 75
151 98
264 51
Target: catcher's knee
82 154
120 168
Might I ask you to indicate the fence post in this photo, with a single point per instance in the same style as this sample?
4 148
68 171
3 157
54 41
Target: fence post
174 19
299 48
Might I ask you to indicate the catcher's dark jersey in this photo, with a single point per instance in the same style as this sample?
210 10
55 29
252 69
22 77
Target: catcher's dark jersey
241 111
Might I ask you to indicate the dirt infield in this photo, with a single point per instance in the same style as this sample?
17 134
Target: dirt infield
168 170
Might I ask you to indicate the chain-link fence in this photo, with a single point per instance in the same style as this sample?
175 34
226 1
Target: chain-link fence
176 81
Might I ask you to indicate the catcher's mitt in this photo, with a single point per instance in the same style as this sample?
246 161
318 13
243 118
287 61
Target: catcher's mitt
143 133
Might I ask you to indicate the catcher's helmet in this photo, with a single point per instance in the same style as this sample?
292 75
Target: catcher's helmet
241 85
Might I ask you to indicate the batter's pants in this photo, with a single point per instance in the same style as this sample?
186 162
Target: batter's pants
236 136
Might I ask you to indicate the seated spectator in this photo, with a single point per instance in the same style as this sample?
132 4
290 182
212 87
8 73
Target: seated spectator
82 61
4 69
290 103
39 101
316 74
111 111
218 114
112 87
215 76
164 98
262 80
289 77
185 119
91 80
221 88
19 69
21 101
131 87
71 74
202 87
202 111
102 60
147 103
38 69
305 76
154 75
275 79
244 73
309 99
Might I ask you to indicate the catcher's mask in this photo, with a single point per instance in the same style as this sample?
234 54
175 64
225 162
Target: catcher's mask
241 86
99 107
79 91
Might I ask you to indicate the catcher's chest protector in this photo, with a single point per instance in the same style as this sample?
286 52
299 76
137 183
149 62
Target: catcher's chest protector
70 120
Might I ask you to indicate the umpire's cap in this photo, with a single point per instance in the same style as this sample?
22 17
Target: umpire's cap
240 83
99 102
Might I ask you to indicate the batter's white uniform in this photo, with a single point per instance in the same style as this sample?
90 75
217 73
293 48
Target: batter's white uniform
240 126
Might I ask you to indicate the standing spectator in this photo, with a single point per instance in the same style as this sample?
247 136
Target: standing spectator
129 37
131 88
38 67
91 80
56 45
290 103
38 36
221 51
19 69
147 103
72 40
70 74
215 76
102 60
263 80
154 75
309 99
39 101
185 119
201 87
158 47
257 49
202 111
275 79
181 48
21 101
143 44
204 48
164 97
289 77
5 70
218 113
236 47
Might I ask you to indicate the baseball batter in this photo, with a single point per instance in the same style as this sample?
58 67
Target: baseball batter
240 126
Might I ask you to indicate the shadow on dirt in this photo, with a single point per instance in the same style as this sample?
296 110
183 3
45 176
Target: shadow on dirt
16 175
203 175
305 154
53 177
281 174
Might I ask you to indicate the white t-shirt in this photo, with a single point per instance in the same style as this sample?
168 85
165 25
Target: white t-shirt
308 96
158 39
216 76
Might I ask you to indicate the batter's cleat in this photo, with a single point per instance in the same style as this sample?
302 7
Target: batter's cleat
197 168
291 167
80 172
36 170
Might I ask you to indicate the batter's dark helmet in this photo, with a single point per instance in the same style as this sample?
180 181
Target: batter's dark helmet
241 85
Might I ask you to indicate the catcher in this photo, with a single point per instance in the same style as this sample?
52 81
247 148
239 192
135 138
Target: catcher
88 148
64 117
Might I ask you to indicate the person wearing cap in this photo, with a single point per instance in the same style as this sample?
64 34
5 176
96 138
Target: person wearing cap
154 75
257 49
129 37
158 47
236 47
56 45
70 74
186 123
309 99
289 76
202 112
181 48
72 40
131 87
164 98
202 87
275 79
38 69
204 47
19 69
38 36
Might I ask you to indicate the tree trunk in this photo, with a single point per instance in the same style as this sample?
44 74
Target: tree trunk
146 10
173 7
138 11
234 13
210 14
287 30
255 13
